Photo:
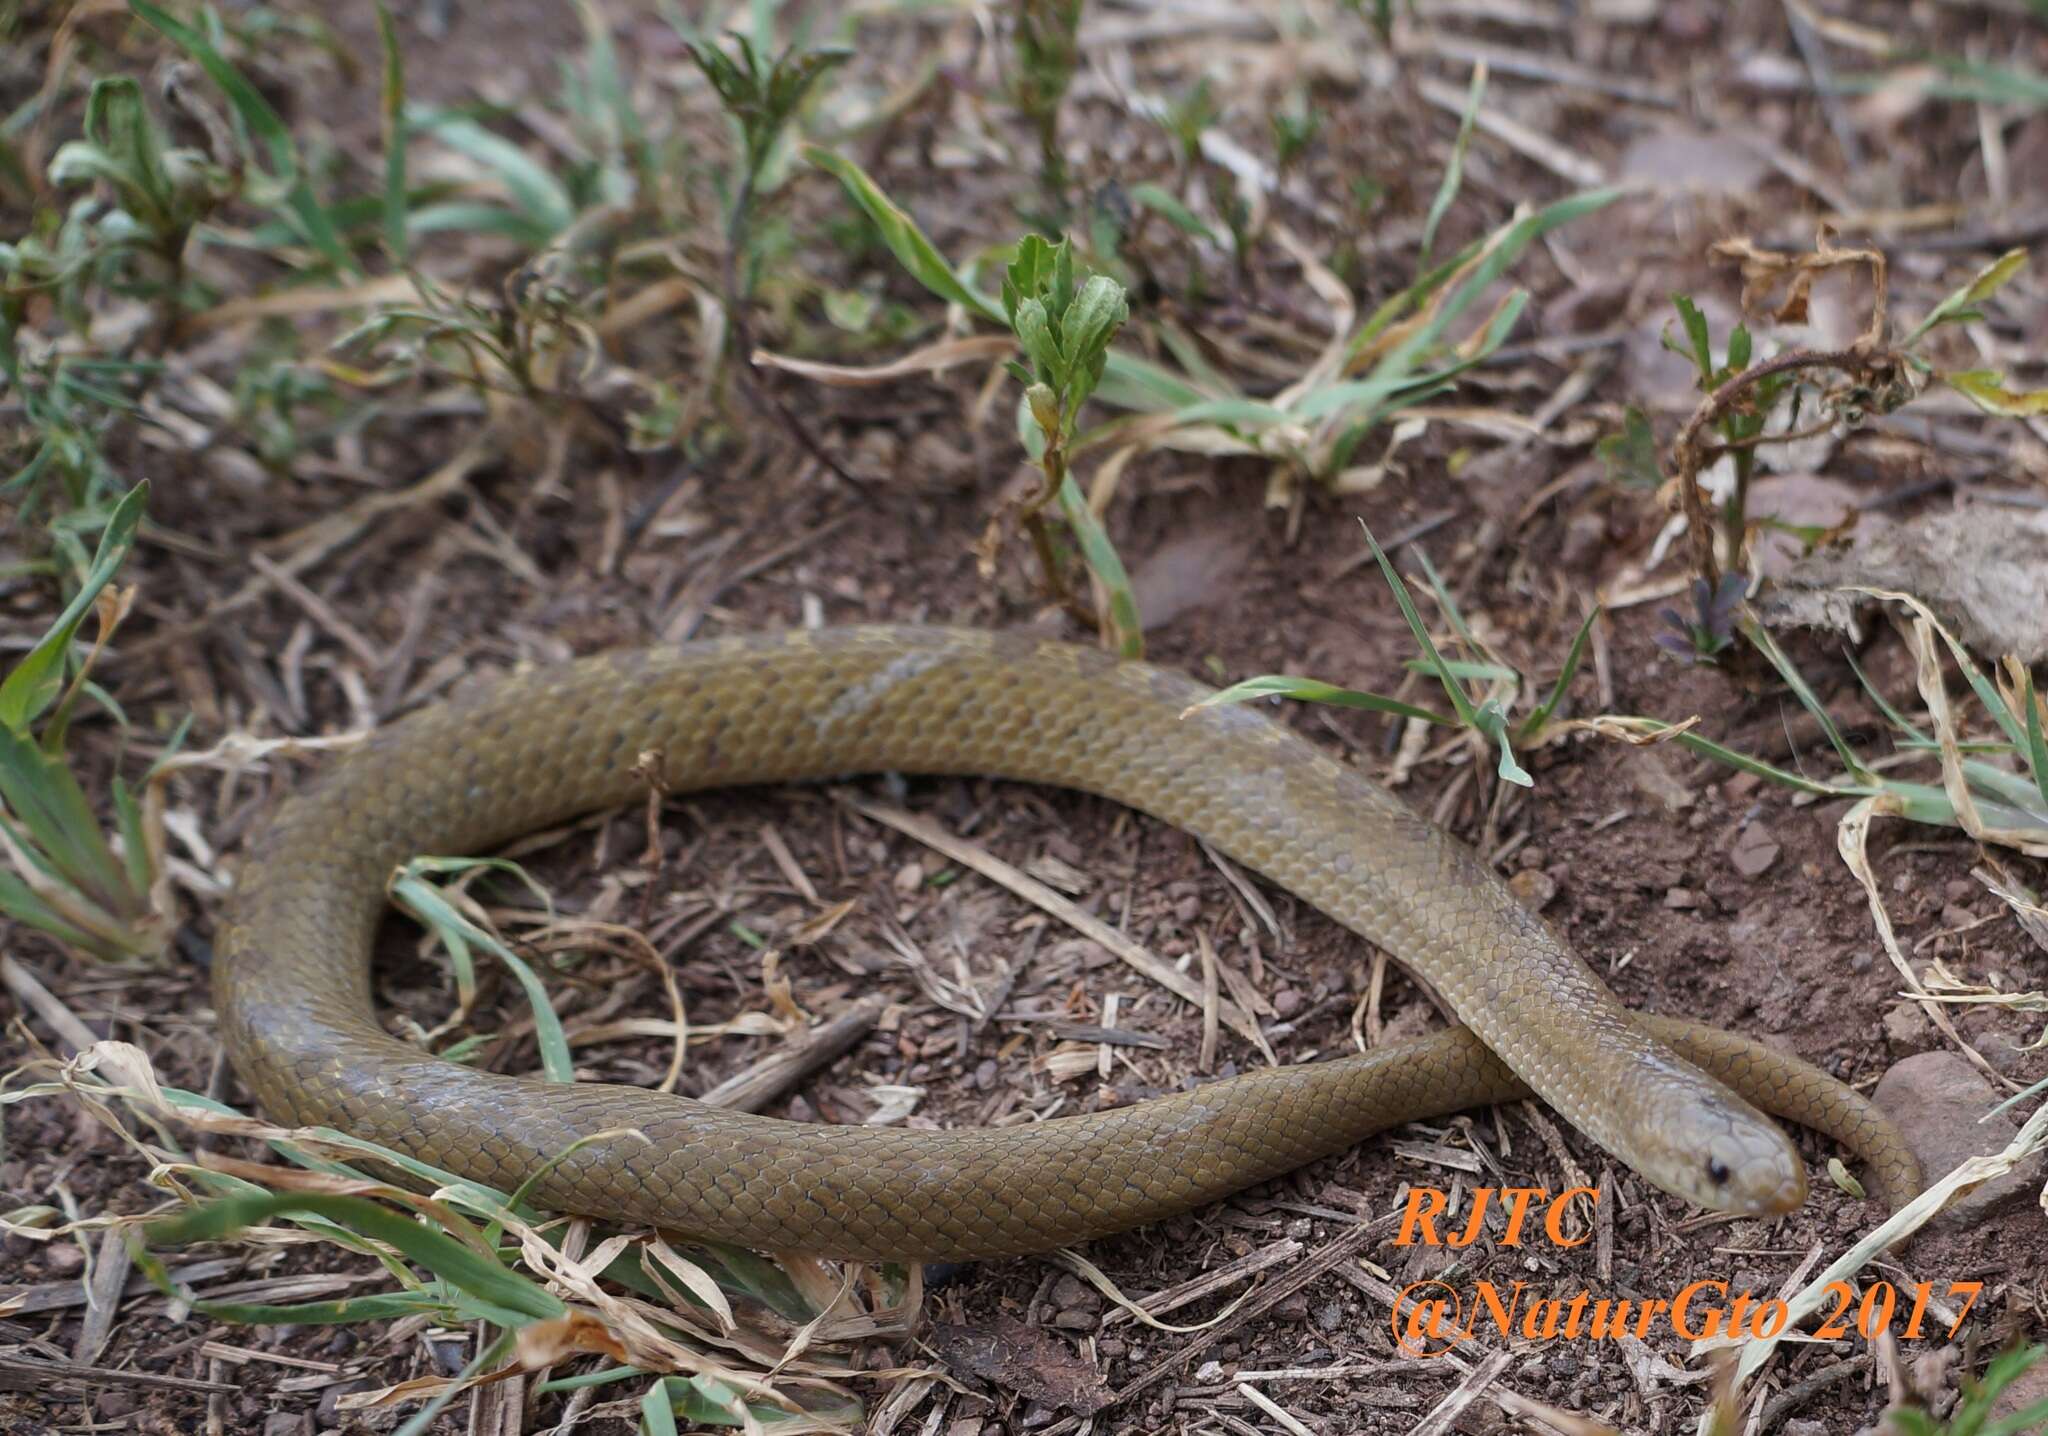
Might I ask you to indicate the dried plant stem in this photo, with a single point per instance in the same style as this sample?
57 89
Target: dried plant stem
1875 371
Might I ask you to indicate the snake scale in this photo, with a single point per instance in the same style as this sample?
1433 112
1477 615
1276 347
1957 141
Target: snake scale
543 745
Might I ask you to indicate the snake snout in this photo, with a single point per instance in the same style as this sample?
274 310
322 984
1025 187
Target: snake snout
1752 1167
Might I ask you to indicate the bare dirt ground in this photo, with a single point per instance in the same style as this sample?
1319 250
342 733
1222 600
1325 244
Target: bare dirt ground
1696 891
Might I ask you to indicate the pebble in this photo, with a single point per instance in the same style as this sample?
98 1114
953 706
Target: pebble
1536 888
1907 1027
985 1074
1286 1002
1682 899
287 1423
1072 1291
1330 1316
1293 1308
1076 1318
1806 1428
1754 851
1937 1099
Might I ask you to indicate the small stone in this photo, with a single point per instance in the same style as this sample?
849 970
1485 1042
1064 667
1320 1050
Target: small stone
1293 1308
965 1426
116 1402
1072 1291
1907 1028
1754 851
1286 1002
985 1074
1110 1347
1329 1316
1076 1318
287 1423
1208 1371
1806 1428
909 878
1681 899
1187 909
1740 786
1955 915
1960 890
1937 1099
63 1258
1536 888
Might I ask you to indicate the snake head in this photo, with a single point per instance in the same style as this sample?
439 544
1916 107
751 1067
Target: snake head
1725 1155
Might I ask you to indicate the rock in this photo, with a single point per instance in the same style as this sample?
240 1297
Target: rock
1937 1099
1286 1003
1293 1308
1754 851
1907 1027
1806 1428
287 1423
1681 899
1076 1318
1536 888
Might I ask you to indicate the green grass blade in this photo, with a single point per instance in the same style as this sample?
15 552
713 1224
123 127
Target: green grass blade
2037 749
314 223
426 902
1768 646
1892 715
1453 689
1534 723
1311 690
919 257
1101 556
20 901
35 682
454 1262
1454 172
537 194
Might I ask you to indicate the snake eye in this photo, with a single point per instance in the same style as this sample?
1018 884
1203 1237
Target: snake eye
1717 1171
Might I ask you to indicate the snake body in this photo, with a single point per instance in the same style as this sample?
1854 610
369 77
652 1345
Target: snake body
540 746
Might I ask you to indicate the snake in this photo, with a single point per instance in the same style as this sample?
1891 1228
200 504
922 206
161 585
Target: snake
1675 1100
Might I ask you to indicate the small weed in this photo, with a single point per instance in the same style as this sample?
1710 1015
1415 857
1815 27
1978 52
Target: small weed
69 878
1064 322
1482 714
1711 629
1048 52
1972 1416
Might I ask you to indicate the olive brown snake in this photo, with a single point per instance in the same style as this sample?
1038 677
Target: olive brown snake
293 991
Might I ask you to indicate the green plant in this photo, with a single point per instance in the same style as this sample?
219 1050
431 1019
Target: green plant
1876 376
1972 1416
1048 51
1402 355
69 878
1482 714
1064 323
1711 629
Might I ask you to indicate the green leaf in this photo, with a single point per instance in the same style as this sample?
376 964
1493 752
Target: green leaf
1983 284
1696 334
38 679
1034 332
1311 690
1150 196
1092 320
537 193
453 1261
1986 389
1454 172
430 906
919 258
